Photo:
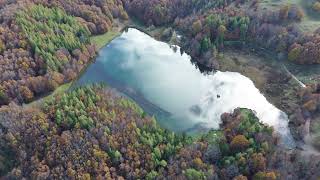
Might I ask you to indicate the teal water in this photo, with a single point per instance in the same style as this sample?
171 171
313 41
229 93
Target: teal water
165 83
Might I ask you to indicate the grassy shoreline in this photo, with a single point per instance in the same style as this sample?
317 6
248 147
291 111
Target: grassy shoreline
61 89
101 40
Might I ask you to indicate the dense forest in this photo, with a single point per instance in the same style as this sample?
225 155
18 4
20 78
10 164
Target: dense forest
215 23
43 47
94 132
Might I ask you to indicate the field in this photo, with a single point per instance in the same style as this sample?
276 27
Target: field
102 40
310 22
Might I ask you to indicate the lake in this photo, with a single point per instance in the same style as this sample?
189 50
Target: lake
166 84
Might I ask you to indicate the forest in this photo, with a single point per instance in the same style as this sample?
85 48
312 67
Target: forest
215 23
93 132
43 44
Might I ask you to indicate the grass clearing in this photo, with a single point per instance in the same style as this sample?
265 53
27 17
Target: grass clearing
311 20
102 40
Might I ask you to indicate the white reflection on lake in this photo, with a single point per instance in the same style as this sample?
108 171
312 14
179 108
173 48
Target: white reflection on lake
137 64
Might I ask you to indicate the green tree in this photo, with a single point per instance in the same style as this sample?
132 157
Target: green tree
221 32
205 44
193 174
152 175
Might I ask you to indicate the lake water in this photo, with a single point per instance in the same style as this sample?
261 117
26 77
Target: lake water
166 84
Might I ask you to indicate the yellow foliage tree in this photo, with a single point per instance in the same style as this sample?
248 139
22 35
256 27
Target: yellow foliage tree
316 6
239 142
196 26
294 53
265 176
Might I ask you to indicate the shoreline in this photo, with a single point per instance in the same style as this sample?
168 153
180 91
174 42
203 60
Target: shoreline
156 32
280 88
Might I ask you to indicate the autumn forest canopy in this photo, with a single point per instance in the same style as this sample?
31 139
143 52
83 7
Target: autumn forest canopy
94 132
